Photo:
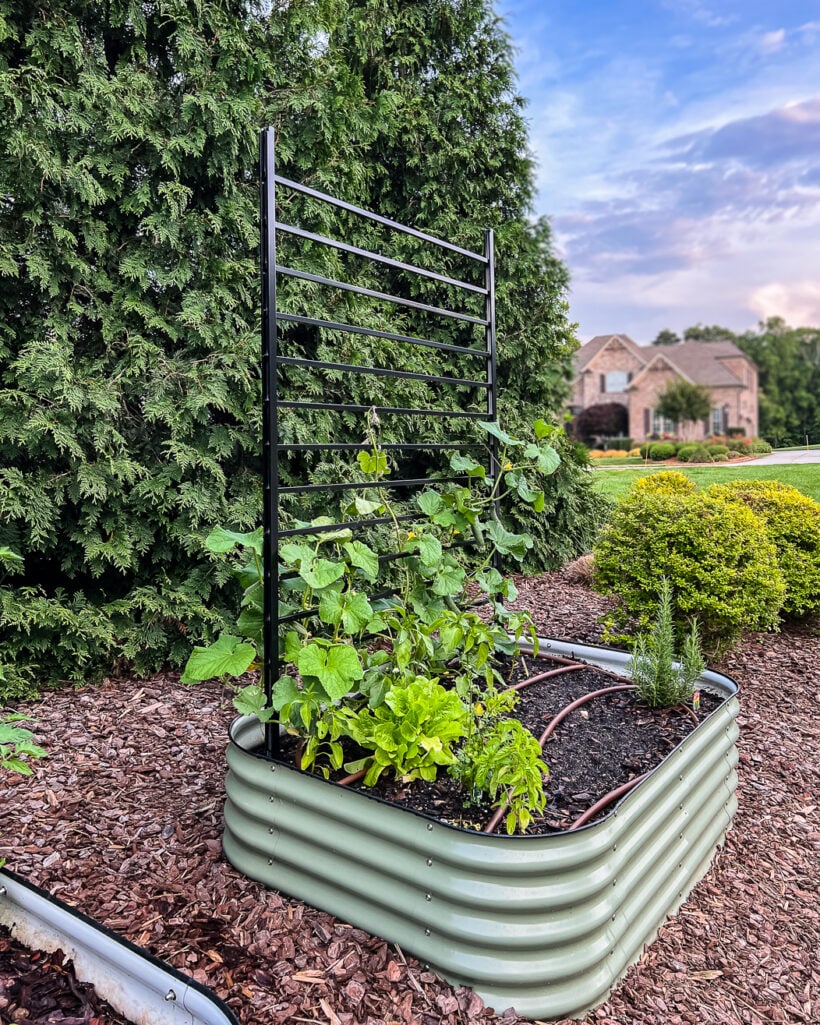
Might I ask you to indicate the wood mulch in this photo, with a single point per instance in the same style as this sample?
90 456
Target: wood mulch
124 818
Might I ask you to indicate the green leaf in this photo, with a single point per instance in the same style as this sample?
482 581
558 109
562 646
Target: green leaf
449 579
374 464
7 555
321 573
547 460
285 692
508 543
542 429
364 507
337 667
341 534
466 464
221 540
292 553
363 558
250 623
497 432
430 502
331 605
428 547
228 656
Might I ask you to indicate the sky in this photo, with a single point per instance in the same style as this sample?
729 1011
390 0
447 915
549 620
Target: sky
677 145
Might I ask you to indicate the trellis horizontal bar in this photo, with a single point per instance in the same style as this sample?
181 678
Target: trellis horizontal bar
355 485
318 364
343 407
371 332
297 187
345 247
373 294
350 524
342 446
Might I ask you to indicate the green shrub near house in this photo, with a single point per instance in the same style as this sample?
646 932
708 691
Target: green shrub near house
731 572
717 556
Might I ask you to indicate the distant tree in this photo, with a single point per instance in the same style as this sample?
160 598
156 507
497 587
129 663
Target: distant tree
685 403
788 361
604 420
709 333
667 337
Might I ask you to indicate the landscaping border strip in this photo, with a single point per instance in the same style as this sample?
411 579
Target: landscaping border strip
135 983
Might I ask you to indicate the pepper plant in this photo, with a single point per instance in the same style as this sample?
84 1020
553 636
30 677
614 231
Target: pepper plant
411 675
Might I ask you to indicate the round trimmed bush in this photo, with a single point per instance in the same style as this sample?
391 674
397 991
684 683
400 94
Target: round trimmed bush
793 523
661 450
760 447
717 556
668 482
718 450
686 450
720 457
698 454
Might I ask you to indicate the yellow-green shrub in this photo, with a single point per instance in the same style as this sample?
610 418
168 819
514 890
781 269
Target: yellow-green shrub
670 482
793 522
717 556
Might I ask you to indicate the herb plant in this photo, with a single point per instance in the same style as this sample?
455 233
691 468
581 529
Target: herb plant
408 676
660 681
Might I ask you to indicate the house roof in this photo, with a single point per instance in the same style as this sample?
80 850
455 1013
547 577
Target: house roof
588 352
701 362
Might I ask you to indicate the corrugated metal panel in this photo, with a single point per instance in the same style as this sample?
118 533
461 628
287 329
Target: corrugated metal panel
545 924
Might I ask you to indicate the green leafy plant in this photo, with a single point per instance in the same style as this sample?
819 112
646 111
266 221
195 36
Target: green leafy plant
397 674
505 762
17 745
660 680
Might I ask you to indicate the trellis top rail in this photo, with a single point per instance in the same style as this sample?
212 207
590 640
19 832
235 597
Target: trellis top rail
342 205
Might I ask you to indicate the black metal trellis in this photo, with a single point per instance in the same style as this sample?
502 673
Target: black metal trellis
273 361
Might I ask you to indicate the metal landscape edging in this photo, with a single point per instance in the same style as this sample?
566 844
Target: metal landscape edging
545 924
137 984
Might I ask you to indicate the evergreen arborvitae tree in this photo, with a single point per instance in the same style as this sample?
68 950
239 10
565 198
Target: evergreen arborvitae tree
129 385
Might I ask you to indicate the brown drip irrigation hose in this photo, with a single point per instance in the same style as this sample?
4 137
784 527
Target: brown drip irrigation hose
499 812
352 778
571 667
607 799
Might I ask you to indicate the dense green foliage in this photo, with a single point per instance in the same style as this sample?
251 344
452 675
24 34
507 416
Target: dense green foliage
717 556
788 360
129 390
601 420
666 337
793 523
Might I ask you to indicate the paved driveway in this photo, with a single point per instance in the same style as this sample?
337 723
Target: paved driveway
799 455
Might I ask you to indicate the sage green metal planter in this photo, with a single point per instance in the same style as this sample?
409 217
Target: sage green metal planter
545 924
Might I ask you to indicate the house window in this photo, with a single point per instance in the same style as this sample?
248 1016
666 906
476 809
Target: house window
662 424
718 421
615 380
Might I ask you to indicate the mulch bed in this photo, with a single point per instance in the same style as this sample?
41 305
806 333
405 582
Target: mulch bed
41 989
124 819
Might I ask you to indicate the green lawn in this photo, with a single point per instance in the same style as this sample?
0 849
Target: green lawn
805 477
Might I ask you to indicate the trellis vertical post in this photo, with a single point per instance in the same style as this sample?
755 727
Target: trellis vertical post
270 440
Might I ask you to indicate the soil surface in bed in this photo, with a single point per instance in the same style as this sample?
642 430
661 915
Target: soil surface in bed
124 820
602 745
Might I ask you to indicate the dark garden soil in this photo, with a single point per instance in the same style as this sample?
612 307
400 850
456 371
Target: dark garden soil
124 820
41 989
602 745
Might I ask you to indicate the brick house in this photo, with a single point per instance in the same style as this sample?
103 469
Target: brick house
613 368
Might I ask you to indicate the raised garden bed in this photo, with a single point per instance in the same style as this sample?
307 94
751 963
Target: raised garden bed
545 924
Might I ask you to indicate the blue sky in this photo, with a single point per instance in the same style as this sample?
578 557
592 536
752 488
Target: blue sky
678 156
